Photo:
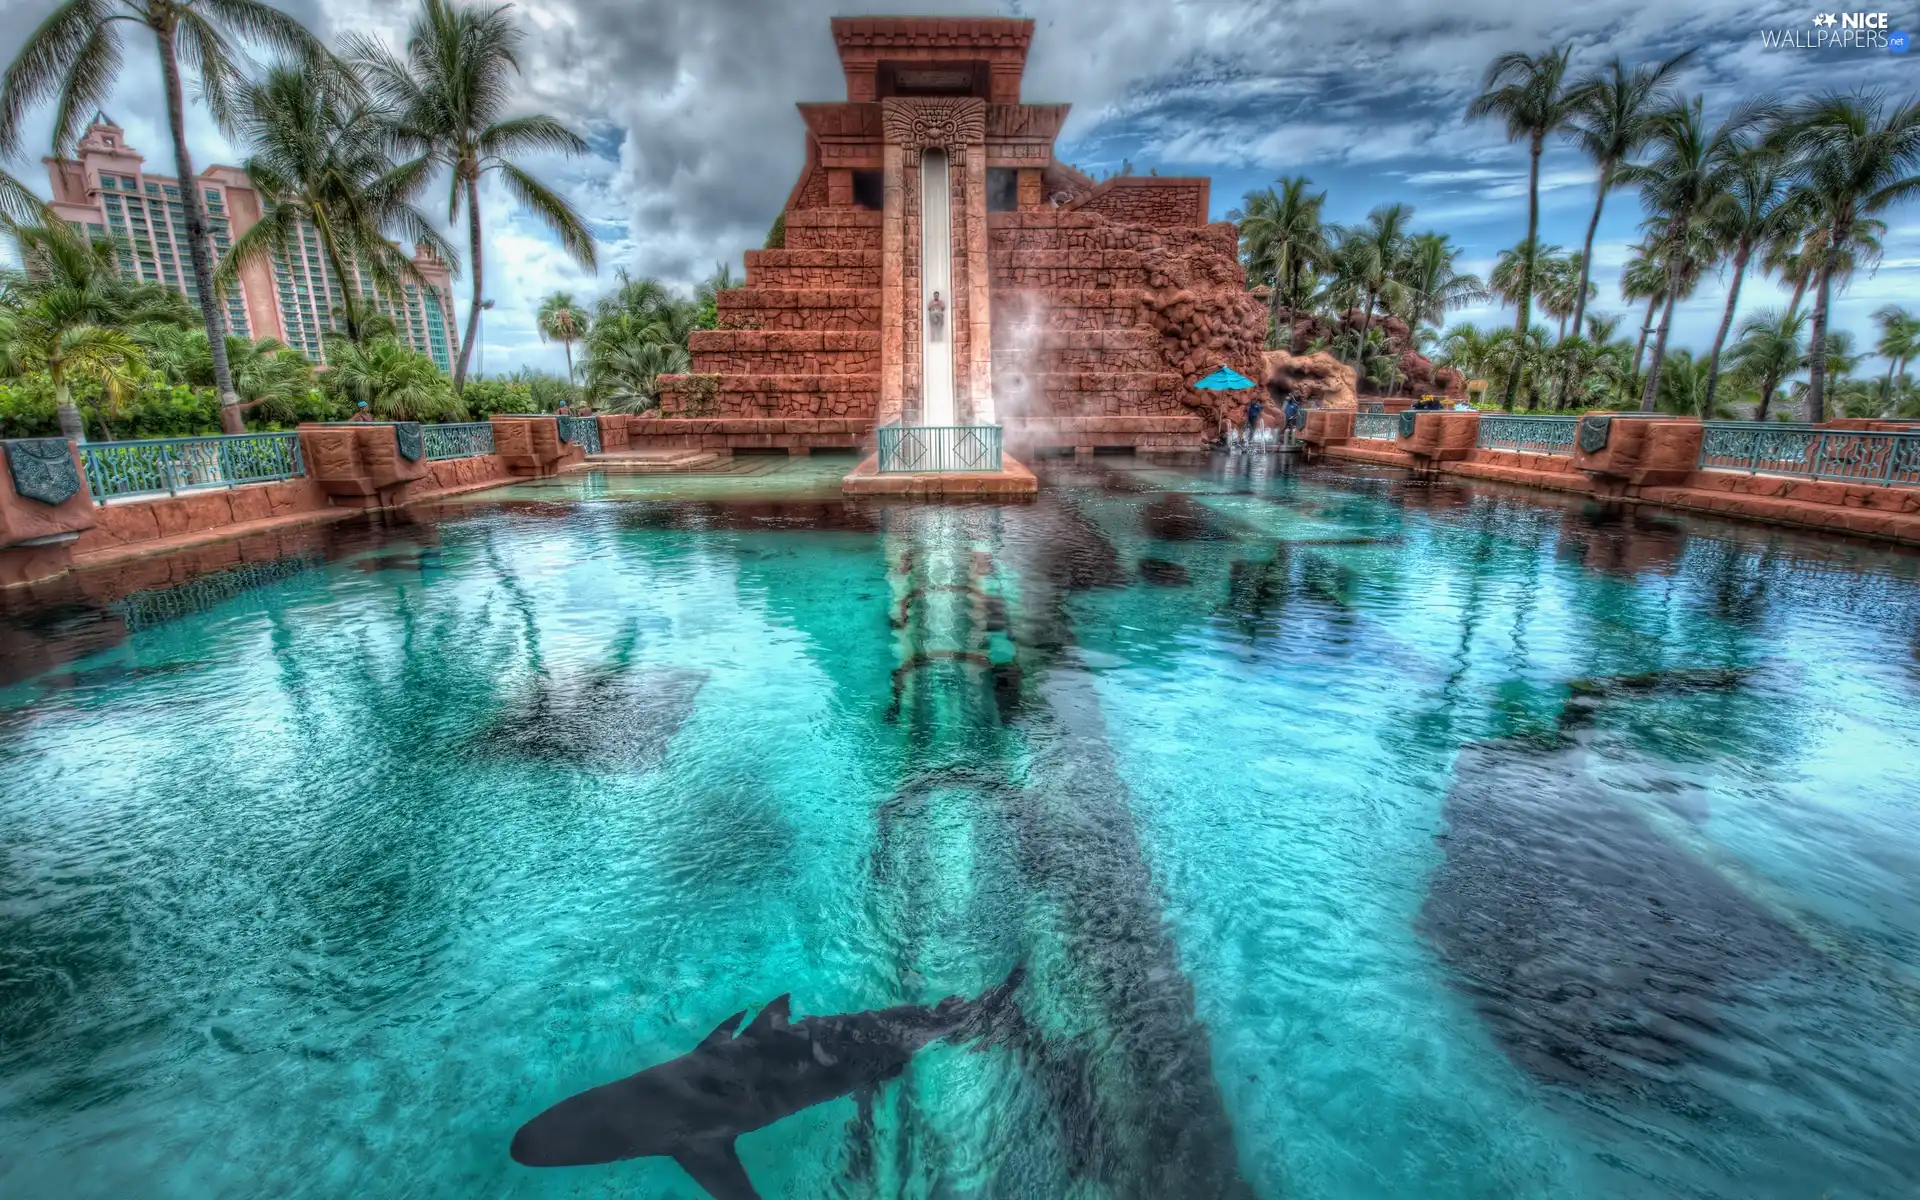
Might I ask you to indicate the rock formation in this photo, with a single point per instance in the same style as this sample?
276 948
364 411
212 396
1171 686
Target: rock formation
1320 379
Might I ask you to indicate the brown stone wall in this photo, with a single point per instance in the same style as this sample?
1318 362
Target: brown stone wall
1153 201
787 352
1096 318
839 268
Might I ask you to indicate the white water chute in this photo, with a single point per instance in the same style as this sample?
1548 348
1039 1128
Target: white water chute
936 276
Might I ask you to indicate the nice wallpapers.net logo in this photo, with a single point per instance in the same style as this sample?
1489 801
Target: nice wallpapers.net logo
1856 31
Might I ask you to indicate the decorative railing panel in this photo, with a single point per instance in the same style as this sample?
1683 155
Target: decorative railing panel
583 432
1885 459
168 465
1378 425
462 440
1534 435
939 448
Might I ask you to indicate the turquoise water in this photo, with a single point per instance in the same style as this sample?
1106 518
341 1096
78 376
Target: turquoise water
1360 839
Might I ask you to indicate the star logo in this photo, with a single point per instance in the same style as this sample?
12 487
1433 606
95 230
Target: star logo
1823 19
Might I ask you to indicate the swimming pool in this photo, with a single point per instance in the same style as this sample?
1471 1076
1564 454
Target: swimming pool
1359 838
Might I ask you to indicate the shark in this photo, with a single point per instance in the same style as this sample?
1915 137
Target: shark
692 1108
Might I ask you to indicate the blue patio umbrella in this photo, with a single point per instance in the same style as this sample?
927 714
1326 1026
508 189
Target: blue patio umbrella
1226 379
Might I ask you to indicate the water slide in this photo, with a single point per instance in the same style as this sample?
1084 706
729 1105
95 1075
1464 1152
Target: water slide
936 275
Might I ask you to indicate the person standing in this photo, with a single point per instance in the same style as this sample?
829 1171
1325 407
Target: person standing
1291 410
1253 418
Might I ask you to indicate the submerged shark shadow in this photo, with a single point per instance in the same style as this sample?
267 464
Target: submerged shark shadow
1599 954
613 719
691 1108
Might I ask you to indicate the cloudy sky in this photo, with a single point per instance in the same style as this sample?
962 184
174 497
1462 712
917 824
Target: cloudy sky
688 105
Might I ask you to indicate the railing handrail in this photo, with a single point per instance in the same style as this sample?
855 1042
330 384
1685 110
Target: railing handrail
153 466
938 449
191 437
1867 456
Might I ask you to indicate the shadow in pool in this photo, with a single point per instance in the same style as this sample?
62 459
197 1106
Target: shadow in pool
613 719
1600 955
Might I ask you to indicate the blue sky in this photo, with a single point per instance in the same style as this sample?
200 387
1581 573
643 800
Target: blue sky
689 107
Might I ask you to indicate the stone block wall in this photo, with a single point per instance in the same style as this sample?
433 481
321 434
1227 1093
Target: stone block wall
801 338
1152 201
1093 317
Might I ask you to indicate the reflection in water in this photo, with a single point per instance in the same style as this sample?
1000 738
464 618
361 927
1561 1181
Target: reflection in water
1358 839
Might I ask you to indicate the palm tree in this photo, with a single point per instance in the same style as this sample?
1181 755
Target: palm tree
1371 256
76 52
1899 341
19 206
1686 176
1433 287
1854 156
396 383
1558 279
1528 93
319 162
1612 119
562 320
72 311
639 333
1467 350
1282 237
1768 350
1683 385
1754 210
448 97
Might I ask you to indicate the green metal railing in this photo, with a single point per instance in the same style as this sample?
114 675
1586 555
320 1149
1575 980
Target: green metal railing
1886 459
939 448
1534 435
581 431
1382 426
157 465
462 440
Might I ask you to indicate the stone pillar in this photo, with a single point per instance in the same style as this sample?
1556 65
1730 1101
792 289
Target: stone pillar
892 283
44 506
979 279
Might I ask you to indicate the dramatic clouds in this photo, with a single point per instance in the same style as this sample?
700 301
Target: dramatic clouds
689 106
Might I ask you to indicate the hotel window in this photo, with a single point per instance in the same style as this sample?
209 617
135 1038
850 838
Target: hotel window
153 189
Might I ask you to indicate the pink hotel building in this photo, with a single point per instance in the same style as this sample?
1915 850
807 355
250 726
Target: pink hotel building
105 193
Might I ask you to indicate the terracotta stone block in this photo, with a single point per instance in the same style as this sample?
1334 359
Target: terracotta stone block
37 539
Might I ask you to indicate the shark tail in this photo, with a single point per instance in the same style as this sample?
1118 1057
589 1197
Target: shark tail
996 1017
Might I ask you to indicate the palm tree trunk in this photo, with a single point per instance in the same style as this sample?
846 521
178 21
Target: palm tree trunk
1767 387
1586 249
1293 292
473 310
1520 321
1659 355
567 344
1817 347
71 426
1726 322
1646 328
1799 291
346 284
199 245
1580 294
1886 386
1676 260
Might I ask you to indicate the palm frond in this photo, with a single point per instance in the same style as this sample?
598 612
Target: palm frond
553 211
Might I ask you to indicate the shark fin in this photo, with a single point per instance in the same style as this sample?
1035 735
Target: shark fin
774 1017
715 1166
723 1031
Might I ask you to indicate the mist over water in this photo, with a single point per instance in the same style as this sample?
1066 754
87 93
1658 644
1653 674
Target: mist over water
1359 839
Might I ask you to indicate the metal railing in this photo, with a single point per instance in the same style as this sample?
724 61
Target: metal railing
1886 459
462 440
1383 426
169 465
1534 435
940 448
581 431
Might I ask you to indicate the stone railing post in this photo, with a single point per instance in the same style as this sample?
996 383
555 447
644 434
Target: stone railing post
1432 438
364 464
1620 451
613 432
528 445
44 507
